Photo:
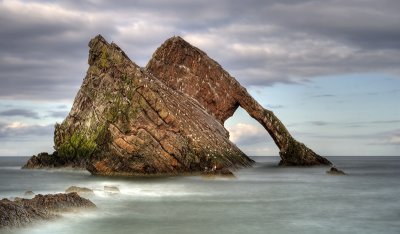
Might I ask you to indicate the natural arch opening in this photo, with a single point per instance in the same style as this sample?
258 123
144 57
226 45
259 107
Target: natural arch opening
249 135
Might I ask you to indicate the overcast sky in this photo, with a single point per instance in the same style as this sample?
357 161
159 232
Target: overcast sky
329 69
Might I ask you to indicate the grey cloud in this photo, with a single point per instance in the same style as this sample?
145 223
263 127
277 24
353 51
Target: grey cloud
319 123
62 107
24 132
323 95
246 134
44 50
369 24
346 124
252 139
58 114
383 122
368 123
20 112
394 139
274 106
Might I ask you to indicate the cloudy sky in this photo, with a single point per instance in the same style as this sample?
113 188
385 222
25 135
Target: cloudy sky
329 69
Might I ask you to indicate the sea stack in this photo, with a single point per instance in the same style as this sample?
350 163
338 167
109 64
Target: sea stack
166 118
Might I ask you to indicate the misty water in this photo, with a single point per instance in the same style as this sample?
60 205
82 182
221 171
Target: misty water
262 199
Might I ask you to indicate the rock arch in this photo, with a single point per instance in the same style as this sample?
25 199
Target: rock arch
189 70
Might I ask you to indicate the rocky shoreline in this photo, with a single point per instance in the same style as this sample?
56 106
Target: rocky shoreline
21 211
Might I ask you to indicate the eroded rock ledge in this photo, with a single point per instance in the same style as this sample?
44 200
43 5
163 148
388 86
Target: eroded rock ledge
166 118
21 212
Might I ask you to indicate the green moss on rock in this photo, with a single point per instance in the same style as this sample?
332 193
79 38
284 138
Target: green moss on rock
77 146
82 144
104 58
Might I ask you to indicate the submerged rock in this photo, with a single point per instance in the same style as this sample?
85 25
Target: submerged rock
79 190
111 189
29 193
166 118
224 172
21 212
335 171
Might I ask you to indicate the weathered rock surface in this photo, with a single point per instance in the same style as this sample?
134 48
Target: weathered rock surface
187 69
166 118
21 212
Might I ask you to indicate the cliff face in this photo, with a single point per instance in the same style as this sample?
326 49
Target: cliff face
166 118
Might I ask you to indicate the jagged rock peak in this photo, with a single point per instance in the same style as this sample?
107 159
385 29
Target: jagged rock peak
98 46
185 68
178 51
176 40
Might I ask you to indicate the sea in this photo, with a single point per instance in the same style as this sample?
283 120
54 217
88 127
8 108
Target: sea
262 199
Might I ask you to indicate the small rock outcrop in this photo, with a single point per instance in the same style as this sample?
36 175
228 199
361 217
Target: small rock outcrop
29 193
111 189
21 212
335 171
166 118
79 190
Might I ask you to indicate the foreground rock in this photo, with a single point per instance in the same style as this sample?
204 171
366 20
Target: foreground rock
166 118
21 212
